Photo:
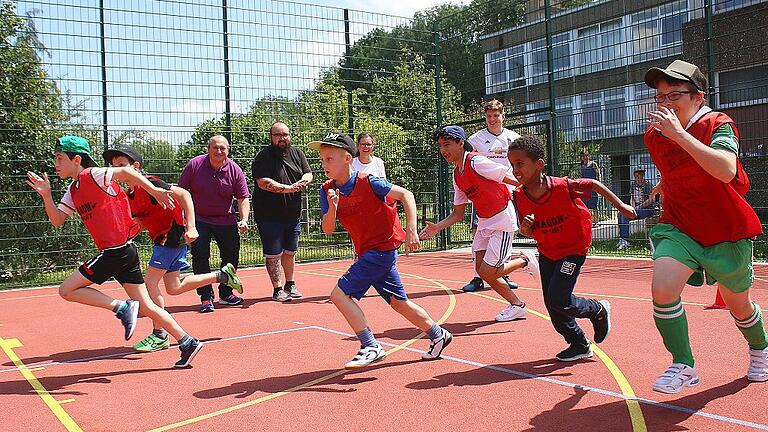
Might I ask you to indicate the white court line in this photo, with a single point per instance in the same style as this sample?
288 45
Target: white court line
576 386
123 354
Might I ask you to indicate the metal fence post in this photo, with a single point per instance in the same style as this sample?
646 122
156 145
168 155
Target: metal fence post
553 139
442 168
713 102
104 117
348 74
227 96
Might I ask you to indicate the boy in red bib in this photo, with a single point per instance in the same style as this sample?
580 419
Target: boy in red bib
170 229
365 205
477 179
696 152
103 206
552 211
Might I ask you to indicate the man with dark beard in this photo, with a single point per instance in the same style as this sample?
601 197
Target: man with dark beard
281 173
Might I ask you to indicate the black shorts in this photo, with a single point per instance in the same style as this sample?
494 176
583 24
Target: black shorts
121 262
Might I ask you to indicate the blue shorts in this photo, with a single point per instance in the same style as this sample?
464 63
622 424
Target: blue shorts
377 269
169 259
277 237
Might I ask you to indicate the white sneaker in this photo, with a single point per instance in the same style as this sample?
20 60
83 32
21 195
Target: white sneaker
758 365
437 346
676 377
366 356
533 263
623 244
512 312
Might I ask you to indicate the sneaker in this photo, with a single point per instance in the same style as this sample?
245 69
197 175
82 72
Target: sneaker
280 295
676 377
437 346
602 322
231 300
622 244
290 288
512 312
232 280
476 284
152 343
366 356
512 285
575 352
206 306
188 354
758 365
533 263
128 317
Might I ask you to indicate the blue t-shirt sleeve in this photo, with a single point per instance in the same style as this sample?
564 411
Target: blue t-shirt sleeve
323 201
380 186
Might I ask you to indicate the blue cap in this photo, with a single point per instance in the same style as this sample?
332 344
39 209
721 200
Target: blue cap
456 132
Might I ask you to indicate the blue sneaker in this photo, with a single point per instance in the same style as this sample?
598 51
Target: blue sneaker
128 317
512 285
231 300
206 306
476 284
189 353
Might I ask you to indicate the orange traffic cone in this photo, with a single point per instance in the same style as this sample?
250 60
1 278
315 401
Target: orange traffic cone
719 303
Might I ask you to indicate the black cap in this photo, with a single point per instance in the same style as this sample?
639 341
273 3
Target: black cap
131 154
678 70
342 141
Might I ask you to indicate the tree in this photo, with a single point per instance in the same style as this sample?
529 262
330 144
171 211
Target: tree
31 118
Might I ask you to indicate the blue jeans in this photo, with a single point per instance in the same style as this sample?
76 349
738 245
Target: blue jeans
228 239
642 213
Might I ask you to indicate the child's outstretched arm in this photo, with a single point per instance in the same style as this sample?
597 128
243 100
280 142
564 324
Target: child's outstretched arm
433 228
134 178
42 186
409 205
510 179
625 209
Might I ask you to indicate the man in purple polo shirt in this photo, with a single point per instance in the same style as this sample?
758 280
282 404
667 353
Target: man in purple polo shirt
214 181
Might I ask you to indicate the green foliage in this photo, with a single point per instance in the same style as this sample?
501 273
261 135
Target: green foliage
32 115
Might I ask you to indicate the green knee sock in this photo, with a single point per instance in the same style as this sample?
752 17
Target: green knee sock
672 324
753 330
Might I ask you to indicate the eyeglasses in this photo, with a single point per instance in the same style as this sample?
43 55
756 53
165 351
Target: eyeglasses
280 135
671 96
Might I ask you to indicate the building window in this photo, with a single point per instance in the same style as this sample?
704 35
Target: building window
657 32
641 102
726 5
600 47
504 69
566 120
561 58
741 87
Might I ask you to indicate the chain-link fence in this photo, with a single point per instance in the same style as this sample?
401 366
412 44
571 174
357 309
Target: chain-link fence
165 76
579 66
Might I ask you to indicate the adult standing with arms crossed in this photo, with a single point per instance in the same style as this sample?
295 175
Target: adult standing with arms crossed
215 180
281 172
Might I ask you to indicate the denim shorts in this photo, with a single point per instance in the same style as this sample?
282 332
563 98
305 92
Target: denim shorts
277 237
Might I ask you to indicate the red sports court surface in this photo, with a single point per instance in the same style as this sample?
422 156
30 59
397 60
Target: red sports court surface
273 366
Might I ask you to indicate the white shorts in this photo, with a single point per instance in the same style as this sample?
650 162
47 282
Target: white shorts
496 244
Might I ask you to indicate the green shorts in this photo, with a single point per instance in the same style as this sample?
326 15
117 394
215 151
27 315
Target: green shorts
728 263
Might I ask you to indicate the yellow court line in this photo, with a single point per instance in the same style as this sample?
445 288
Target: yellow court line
635 411
451 307
8 345
66 401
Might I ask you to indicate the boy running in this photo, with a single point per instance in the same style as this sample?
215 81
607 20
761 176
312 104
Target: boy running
706 227
365 205
552 211
170 229
477 179
103 206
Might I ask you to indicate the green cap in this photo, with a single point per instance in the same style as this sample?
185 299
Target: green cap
75 144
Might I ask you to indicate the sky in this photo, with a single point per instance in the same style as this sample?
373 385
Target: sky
165 58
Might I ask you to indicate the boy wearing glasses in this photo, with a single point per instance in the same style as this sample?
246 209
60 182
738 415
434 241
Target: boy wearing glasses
696 152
